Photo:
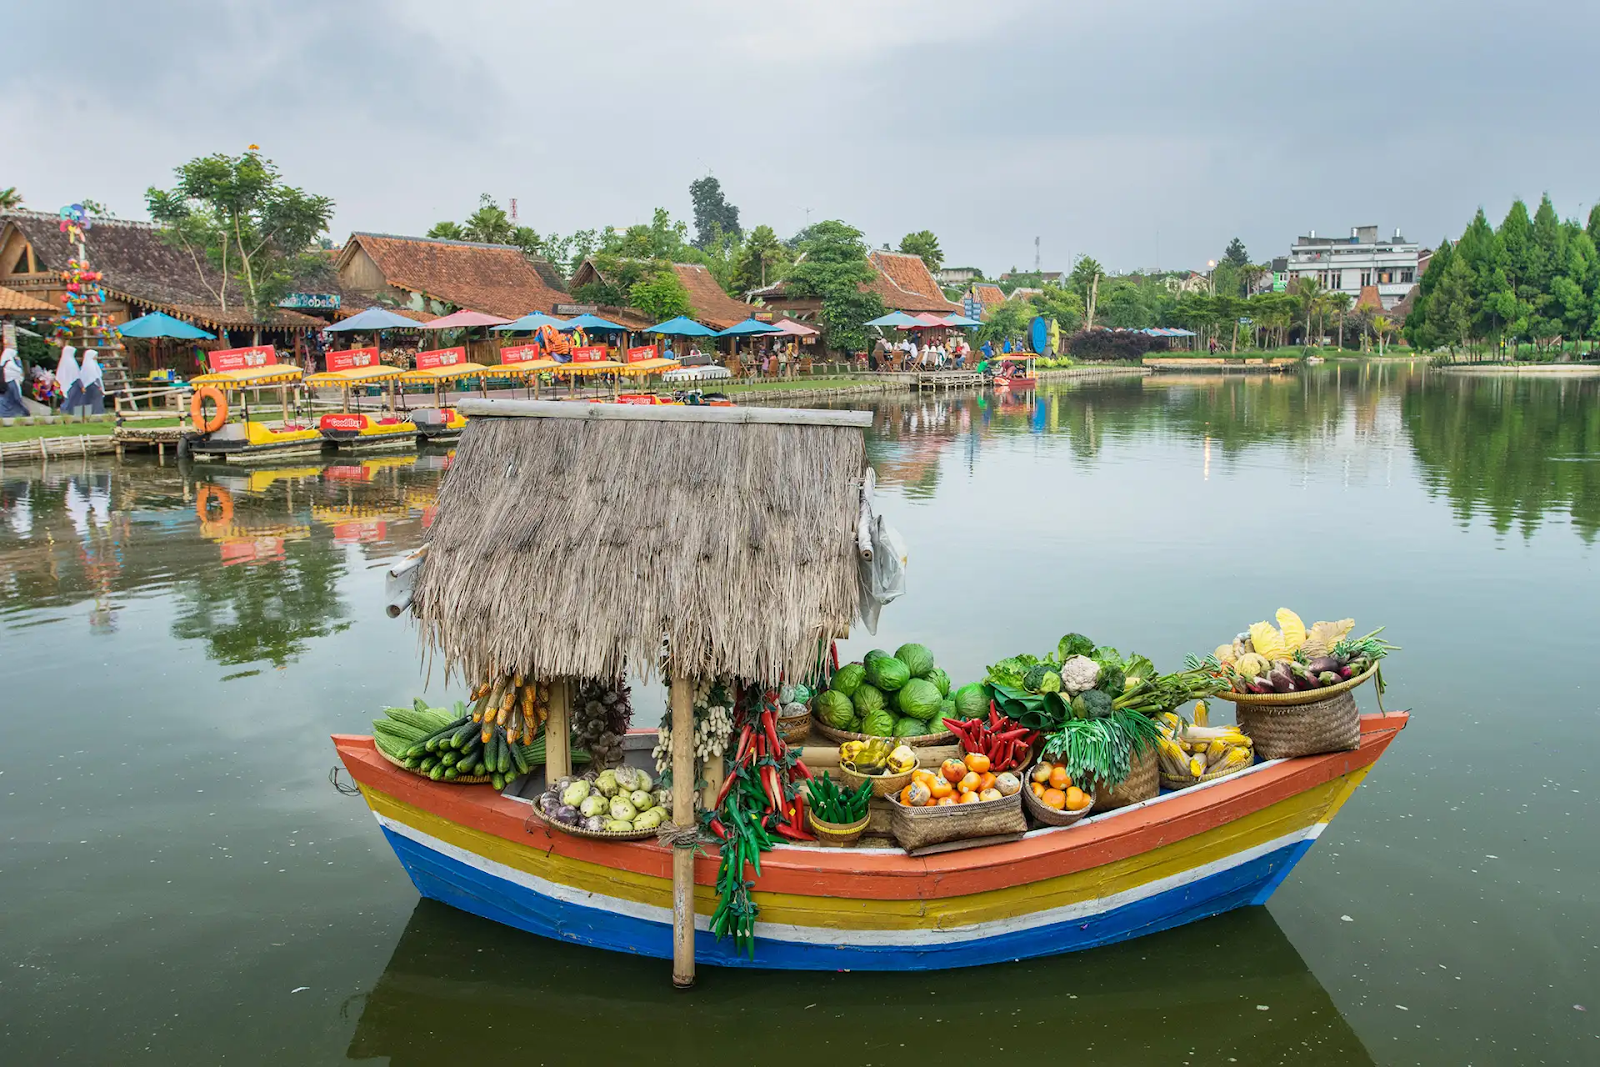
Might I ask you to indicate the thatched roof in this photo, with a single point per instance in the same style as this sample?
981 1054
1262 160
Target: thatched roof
571 538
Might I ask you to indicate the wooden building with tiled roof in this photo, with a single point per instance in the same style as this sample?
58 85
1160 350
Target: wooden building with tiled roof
708 301
435 276
141 271
904 283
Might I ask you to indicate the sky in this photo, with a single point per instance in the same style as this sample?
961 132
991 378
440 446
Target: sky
1146 133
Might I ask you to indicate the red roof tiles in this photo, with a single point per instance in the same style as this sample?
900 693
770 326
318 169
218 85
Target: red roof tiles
499 279
904 283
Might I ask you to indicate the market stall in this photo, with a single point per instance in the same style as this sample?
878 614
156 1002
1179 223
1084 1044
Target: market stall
879 814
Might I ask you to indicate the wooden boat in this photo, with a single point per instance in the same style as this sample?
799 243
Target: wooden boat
349 429
239 372
1020 373
1184 856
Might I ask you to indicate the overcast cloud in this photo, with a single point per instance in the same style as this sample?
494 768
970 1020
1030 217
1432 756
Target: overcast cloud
1144 132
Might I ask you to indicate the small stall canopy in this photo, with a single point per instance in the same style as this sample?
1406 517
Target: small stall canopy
523 359
442 365
587 321
465 317
646 359
588 360
160 324
353 365
682 326
749 327
528 323
244 367
374 319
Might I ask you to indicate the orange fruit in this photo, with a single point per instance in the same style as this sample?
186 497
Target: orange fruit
985 781
941 788
969 782
948 798
1077 799
953 770
968 797
990 794
1041 773
1053 798
915 795
927 778
1038 788
1059 779
977 761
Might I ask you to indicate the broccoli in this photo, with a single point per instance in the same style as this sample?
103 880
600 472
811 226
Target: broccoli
1092 704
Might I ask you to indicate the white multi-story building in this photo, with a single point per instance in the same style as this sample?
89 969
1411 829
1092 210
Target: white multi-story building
1350 264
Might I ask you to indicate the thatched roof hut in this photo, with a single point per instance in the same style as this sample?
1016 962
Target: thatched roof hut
571 538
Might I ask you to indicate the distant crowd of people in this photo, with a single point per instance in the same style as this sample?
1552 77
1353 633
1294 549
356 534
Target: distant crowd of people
937 354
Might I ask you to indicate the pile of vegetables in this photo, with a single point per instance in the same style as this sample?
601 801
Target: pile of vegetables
902 695
1290 658
601 713
761 799
969 780
1092 703
448 745
617 800
1003 741
876 756
1188 752
712 701
842 807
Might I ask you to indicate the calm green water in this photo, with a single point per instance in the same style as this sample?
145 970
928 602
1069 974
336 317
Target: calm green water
180 884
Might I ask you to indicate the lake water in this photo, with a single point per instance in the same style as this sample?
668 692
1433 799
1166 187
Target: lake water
179 882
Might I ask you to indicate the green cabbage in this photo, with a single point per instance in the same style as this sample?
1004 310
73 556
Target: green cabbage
940 679
887 673
876 653
878 723
972 701
918 698
868 698
1073 645
835 709
849 676
909 727
947 710
917 658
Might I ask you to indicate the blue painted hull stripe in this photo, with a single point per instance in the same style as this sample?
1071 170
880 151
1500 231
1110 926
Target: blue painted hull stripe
501 900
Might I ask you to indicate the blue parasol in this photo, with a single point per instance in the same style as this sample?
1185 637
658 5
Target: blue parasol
160 324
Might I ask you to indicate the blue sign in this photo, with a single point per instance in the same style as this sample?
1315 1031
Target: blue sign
972 307
1039 333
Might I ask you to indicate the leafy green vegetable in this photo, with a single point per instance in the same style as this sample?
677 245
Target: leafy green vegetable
878 723
887 673
835 709
848 677
972 701
1073 645
1011 671
868 698
917 658
906 726
1093 704
1111 681
1101 751
918 698
940 679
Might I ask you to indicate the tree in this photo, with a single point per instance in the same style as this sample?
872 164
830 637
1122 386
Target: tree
1419 330
239 215
923 243
10 198
1449 314
1236 254
833 269
715 220
661 296
760 261
1084 271
1307 295
1062 304
1009 321
1382 327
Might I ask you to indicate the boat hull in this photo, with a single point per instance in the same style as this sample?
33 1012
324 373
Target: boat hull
1181 858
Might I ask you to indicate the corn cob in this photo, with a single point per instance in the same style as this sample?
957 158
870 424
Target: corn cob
1215 751
1197 766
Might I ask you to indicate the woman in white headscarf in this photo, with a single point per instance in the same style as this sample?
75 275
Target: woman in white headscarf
11 406
67 379
93 383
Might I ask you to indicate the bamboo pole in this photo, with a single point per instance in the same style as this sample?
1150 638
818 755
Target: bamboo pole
682 697
558 731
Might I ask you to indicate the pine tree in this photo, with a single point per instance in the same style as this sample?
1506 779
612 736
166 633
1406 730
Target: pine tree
1450 305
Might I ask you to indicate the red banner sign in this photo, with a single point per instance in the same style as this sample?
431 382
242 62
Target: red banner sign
349 423
441 357
520 354
353 358
642 353
242 358
592 354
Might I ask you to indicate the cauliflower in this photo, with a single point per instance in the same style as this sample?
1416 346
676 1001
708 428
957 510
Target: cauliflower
1079 674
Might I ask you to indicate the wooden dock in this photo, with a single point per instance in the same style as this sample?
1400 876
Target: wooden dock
946 379
157 439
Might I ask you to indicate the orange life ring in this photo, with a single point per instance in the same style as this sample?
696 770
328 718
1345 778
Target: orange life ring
204 495
197 409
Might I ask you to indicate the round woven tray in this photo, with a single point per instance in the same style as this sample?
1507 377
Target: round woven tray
837 835
882 784
465 779
597 835
1300 696
920 741
1168 782
795 729
1050 816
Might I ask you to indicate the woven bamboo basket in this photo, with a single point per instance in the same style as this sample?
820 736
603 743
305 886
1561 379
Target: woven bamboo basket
920 741
882 784
1304 729
465 779
596 835
837 835
795 729
1300 696
915 828
1169 782
1143 783
1050 816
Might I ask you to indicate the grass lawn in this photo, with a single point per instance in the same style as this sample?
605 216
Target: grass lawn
9 434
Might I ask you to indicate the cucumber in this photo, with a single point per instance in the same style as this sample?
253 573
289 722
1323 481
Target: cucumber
478 769
451 774
436 774
499 783
428 765
424 722
449 759
520 759
463 733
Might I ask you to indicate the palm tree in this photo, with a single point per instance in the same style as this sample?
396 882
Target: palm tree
1307 295
10 198
1340 303
1383 327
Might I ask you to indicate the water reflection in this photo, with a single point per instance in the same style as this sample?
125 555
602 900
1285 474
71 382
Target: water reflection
1232 987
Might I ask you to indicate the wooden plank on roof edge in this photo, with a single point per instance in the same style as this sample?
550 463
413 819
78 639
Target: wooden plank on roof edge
568 409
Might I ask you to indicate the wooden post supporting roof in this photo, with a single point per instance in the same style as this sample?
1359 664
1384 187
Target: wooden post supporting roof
683 817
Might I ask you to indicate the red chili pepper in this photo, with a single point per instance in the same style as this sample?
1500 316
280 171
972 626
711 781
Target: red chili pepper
717 827
744 743
1012 735
727 785
802 771
793 834
769 724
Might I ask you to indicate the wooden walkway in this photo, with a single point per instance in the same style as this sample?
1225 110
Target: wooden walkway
946 379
